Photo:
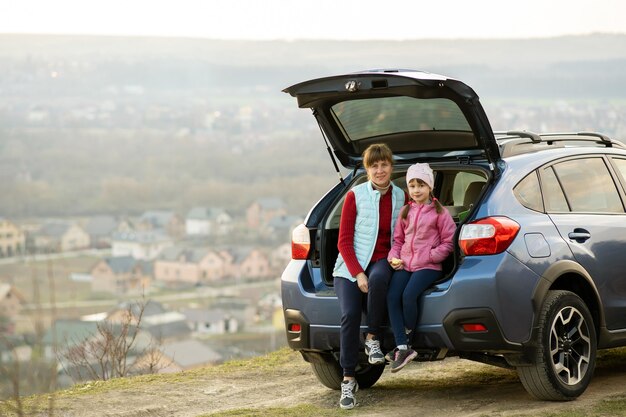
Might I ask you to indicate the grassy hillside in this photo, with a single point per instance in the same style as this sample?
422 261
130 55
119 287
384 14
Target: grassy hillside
282 384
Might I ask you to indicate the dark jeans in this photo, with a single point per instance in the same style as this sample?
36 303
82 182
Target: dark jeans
405 289
352 303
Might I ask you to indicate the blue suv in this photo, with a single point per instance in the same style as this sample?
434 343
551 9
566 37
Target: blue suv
536 282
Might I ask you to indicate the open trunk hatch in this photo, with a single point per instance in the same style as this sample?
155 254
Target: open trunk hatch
417 114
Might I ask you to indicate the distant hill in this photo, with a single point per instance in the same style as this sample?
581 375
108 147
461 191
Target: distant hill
114 125
568 66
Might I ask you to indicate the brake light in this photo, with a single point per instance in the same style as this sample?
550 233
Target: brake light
295 327
300 242
488 236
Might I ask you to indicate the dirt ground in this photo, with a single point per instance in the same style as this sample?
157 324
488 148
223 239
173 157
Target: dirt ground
453 387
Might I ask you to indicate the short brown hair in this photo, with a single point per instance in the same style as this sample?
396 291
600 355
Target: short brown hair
377 152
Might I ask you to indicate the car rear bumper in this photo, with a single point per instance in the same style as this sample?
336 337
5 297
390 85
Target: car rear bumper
500 301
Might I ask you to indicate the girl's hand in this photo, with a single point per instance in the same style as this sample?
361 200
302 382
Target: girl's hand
396 263
361 280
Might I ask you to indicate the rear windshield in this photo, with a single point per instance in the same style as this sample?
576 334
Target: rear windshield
361 119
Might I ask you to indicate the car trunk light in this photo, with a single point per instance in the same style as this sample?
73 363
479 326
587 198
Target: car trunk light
295 327
473 327
488 236
300 242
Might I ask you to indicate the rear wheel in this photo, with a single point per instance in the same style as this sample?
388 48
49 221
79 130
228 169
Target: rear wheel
330 374
565 357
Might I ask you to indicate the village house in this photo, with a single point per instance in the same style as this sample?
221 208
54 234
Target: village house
65 334
136 309
122 275
211 321
242 308
203 221
179 356
246 263
100 229
261 211
60 236
12 239
280 227
179 266
168 221
280 257
168 326
162 324
65 339
13 348
268 305
11 301
144 245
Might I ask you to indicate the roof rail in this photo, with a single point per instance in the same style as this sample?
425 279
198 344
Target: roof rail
593 136
534 137
557 136
598 135
518 142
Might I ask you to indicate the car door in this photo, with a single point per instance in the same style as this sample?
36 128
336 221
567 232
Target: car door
584 202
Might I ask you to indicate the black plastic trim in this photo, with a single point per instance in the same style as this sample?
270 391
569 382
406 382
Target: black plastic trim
297 340
492 340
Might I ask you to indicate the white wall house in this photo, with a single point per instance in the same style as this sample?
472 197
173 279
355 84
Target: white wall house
144 245
203 221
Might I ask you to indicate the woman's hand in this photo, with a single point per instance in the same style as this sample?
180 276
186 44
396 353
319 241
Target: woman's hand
361 281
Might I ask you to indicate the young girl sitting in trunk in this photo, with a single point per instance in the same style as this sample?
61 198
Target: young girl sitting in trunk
423 238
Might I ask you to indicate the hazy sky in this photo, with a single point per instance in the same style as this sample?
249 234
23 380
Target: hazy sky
318 19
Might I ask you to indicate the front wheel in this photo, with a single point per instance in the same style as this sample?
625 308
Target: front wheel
565 357
330 374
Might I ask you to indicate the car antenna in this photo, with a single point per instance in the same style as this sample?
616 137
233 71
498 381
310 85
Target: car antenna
332 157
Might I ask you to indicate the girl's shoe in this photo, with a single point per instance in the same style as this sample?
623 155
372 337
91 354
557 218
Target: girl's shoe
391 355
402 358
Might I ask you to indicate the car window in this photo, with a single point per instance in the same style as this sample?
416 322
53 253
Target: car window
554 198
528 192
366 118
621 167
461 181
588 186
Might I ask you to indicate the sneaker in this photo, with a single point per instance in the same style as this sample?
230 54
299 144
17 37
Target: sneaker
403 357
348 389
372 350
391 355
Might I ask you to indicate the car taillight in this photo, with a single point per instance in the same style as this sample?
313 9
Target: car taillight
487 236
300 242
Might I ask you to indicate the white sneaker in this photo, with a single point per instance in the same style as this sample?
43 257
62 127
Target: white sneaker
348 389
374 354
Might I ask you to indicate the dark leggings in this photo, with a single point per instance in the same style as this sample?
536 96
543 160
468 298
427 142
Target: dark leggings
405 289
352 303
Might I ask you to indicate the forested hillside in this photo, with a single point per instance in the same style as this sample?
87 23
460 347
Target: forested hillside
93 125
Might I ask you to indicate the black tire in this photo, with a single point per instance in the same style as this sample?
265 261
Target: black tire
367 375
565 357
330 374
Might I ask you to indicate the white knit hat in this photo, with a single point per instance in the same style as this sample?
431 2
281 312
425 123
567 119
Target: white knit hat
422 172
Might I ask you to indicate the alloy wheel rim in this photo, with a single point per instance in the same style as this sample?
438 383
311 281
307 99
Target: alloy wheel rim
570 346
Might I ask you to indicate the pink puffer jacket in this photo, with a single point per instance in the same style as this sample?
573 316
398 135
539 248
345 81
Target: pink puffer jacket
424 239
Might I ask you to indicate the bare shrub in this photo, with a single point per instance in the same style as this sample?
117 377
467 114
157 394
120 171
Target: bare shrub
112 350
